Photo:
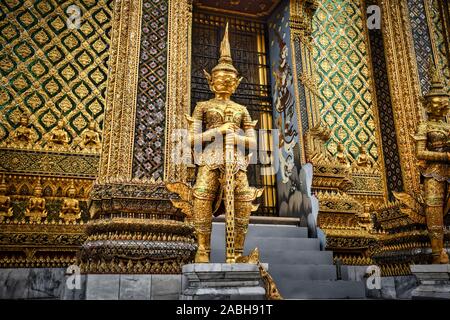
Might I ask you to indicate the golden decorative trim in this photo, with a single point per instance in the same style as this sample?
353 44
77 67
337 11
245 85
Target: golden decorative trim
169 228
39 245
301 14
404 85
353 260
178 82
57 164
391 270
118 134
259 15
374 102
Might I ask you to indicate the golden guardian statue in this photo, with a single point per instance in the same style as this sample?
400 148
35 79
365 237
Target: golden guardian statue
224 130
433 153
432 139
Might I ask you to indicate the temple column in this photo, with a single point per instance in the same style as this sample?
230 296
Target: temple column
134 228
404 82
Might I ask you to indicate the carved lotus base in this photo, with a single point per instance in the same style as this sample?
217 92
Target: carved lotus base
137 246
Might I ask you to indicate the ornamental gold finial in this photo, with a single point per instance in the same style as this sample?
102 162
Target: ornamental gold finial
71 191
38 187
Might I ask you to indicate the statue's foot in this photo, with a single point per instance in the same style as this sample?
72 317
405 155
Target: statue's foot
444 257
441 258
202 257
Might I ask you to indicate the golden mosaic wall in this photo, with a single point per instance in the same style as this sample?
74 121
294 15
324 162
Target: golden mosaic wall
341 56
52 72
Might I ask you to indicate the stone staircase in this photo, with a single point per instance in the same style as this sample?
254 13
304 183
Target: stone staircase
299 268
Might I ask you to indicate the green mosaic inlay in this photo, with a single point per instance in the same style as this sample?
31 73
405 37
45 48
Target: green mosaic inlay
341 58
50 71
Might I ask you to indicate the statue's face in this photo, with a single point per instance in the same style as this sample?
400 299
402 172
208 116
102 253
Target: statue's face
224 82
37 192
438 107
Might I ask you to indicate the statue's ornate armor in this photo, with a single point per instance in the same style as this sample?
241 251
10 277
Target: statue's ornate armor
212 113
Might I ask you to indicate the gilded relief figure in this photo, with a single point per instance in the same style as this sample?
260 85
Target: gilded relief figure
433 152
58 138
35 210
23 136
90 139
221 183
70 209
340 155
363 158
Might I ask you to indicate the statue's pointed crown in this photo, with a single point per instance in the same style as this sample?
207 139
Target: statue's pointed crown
72 187
437 86
38 185
225 61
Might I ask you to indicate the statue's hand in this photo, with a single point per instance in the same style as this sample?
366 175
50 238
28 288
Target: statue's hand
228 128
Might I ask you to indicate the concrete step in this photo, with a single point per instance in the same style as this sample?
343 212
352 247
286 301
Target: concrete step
292 244
264 230
293 272
282 256
261 230
298 267
297 257
274 244
322 289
